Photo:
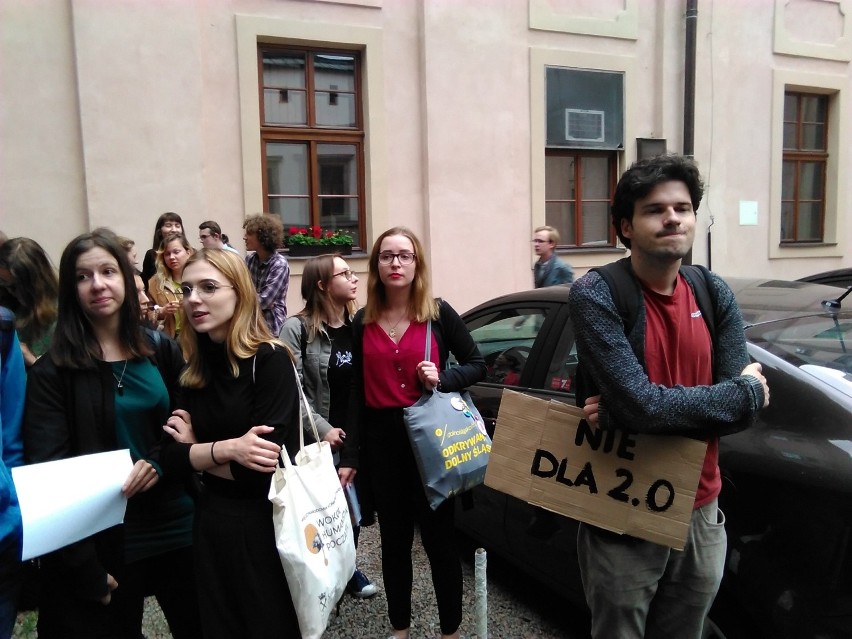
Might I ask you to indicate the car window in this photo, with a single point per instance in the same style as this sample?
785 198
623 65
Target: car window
505 338
563 366
817 341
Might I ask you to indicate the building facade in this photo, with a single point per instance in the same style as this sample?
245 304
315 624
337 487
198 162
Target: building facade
470 121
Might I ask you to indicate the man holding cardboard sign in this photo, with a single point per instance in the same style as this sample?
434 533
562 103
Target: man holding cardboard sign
665 371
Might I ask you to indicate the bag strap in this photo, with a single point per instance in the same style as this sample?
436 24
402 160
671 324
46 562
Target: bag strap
304 407
428 340
625 290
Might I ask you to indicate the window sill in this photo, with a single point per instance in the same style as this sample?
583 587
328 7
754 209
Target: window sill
806 245
591 249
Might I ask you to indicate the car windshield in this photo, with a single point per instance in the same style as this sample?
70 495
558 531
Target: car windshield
819 345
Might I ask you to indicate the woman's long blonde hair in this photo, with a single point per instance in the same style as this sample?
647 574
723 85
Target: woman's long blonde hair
318 303
247 330
421 305
164 276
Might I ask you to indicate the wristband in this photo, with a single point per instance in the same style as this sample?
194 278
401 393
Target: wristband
212 456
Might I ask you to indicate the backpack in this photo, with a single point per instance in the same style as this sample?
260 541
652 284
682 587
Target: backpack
628 297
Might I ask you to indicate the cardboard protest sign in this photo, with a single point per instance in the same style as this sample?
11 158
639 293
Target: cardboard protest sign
545 453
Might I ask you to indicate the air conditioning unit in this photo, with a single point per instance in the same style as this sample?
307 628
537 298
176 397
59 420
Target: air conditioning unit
583 125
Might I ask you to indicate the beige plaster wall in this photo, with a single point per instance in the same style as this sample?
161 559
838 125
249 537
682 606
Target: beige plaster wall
113 112
42 192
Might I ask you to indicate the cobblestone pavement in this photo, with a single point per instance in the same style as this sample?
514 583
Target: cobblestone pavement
517 608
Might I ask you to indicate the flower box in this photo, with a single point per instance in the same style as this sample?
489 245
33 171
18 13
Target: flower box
312 250
313 241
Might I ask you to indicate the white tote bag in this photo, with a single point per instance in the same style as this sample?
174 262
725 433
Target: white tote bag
313 530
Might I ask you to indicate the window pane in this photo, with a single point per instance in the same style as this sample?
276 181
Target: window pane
286 169
340 213
338 170
284 87
790 141
284 106
787 229
505 339
595 223
814 108
788 180
595 178
560 215
559 177
283 69
813 137
809 221
791 107
810 181
335 109
334 72
585 109
293 211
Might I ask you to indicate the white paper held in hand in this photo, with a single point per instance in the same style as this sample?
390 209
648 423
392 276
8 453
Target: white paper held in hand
70 499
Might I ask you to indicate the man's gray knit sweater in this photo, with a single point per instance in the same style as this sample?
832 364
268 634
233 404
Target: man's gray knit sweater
630 401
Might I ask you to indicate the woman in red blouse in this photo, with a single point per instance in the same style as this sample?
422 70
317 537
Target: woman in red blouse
389 342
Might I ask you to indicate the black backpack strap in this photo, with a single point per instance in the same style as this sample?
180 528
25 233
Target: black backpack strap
625 290
626 294
705 294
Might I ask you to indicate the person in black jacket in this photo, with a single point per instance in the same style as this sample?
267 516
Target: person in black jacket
239 405
107 384
389 337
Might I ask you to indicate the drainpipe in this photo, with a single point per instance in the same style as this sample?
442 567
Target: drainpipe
689 78
689 89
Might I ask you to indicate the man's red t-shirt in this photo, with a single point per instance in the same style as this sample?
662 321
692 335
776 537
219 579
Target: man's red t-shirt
679 352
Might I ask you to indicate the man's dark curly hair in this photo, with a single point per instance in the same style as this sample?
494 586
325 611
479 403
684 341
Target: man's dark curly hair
268 228
643 176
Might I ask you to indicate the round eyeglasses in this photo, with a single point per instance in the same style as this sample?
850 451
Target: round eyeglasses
348 274
404 258
205 290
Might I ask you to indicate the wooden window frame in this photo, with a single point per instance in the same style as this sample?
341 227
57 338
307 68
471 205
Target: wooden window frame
797 156
312 134
578 154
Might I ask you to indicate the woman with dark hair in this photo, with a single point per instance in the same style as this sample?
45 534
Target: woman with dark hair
239 405
28 287
320 337
164 287
107 384
167 223
389 339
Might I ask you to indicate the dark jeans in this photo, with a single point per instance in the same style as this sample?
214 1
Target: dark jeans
401 503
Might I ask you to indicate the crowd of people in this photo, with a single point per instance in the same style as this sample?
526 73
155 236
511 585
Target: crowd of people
191 364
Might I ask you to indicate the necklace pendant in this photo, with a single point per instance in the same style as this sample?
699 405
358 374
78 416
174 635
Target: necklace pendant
120 389
392 333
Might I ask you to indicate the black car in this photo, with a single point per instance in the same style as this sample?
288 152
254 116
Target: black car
787 481
841 277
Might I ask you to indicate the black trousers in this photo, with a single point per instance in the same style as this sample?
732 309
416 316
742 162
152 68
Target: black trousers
401 503
241 585
170 577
